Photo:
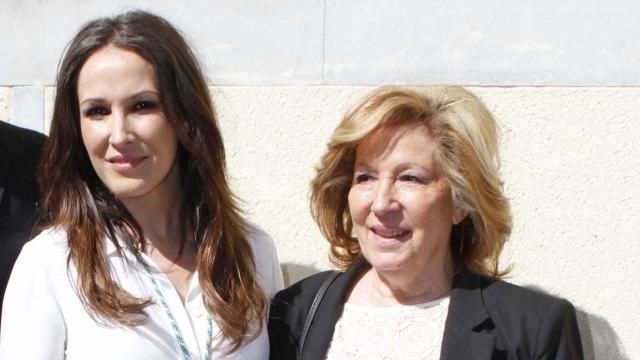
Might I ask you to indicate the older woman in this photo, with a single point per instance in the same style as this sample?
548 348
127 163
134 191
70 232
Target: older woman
146 255
409 196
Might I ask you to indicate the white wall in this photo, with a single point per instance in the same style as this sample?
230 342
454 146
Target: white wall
257 42
562 78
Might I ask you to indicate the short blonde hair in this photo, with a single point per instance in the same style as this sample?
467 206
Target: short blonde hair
467 153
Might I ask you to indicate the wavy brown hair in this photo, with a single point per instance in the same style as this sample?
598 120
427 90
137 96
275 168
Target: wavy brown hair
78 202
466 135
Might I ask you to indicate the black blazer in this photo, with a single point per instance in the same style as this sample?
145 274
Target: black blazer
19 156
487 319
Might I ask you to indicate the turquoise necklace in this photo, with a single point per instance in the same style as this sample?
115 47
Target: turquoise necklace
174 324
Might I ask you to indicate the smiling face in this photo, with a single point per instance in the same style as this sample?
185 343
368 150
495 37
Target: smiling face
130 143
400 203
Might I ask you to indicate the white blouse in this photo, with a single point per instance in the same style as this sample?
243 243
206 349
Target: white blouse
43 317
407 332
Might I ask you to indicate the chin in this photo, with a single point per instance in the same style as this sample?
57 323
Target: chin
130 189
388 262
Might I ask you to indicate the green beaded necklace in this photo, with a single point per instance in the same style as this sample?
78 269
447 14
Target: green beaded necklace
174 324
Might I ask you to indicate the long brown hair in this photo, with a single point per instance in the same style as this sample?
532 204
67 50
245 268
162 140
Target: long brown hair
466 135
78 202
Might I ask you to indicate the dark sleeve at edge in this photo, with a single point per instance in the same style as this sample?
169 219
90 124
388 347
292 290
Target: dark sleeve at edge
559 337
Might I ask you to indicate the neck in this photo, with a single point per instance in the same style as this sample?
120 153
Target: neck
159 221
158 212
389 288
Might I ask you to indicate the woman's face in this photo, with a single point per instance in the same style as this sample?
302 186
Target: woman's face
400 203
130 143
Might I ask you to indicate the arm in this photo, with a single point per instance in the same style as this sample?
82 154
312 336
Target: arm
266 261
558 337
276 273
32 323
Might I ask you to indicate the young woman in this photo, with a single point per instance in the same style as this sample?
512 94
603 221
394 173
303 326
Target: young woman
145 255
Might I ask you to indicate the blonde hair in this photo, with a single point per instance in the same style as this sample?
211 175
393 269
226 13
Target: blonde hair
467 153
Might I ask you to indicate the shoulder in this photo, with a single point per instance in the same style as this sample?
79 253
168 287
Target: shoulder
548 324
287 315
46 255
291 305
17 136
518 302
525 323
36 297
302 291
40 267
258 239
48 246
266 259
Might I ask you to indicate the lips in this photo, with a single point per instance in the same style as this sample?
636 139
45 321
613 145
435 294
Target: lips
126 161
389 232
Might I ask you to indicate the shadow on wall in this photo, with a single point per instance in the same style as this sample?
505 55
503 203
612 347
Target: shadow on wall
599 340
292 272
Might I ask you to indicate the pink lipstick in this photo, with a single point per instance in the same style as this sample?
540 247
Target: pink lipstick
125 162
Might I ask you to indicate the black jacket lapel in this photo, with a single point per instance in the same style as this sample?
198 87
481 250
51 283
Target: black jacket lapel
463 336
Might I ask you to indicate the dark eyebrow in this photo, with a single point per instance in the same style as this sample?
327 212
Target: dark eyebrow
92 100
143 93
132 97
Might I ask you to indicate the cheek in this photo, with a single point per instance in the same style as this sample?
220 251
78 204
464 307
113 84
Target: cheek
164 130
433 215
92 136
169 145
352 204
358 207
158 134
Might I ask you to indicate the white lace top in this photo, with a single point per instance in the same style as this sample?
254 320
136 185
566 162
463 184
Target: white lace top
409 332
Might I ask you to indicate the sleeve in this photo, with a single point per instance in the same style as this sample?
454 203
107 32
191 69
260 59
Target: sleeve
32 323
559 337
266 261
276 273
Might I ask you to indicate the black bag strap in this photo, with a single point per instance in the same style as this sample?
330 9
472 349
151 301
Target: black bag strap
314 307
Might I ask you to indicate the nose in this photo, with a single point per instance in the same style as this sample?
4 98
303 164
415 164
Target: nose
384 198
120 134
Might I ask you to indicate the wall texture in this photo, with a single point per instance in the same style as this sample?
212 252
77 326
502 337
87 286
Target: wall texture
563 80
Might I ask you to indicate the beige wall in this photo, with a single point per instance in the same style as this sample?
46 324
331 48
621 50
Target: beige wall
571 159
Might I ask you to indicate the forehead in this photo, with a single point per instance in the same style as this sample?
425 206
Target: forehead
112 69
405 143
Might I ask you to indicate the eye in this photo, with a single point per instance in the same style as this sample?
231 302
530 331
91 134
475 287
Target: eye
95 112
362 178
413 178
145 105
